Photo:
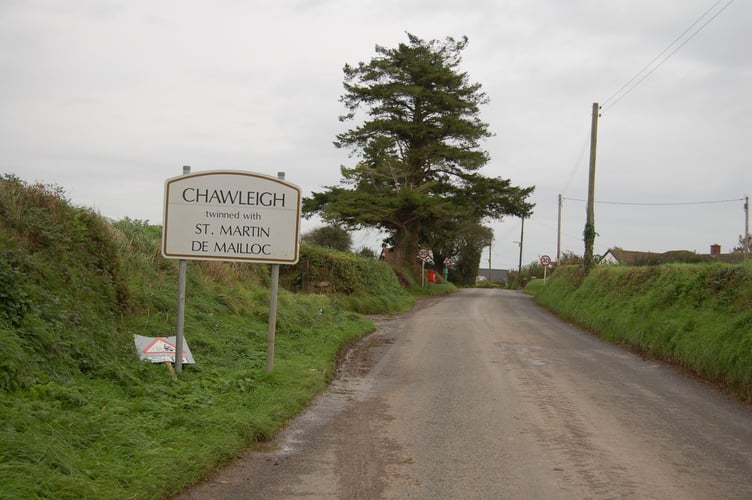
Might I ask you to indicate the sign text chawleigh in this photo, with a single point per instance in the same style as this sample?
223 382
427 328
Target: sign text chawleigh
228 197
230 215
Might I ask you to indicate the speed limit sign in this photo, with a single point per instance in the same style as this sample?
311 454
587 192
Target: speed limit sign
545 261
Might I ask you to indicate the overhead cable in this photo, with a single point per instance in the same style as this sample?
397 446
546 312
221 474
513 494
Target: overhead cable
665 55
648 204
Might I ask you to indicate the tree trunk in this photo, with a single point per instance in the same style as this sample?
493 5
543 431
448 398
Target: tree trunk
407 240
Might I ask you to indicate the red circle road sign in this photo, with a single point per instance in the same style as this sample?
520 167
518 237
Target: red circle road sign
545 261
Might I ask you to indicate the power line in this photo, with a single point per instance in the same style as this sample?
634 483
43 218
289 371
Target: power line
651 67
656 204
644 68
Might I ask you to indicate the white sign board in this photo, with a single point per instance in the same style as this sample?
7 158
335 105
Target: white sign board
231 215
160 349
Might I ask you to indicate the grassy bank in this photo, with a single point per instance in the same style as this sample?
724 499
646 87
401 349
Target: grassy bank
698 316
82 417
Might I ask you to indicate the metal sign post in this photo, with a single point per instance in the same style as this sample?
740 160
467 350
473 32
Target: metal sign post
231 215
545 262
423 254
272 331
180 323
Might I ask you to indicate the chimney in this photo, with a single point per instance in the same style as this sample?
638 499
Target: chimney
715 249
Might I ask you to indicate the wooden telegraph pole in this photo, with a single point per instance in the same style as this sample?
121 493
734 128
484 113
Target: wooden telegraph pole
590 221
558 235
746 242
522 238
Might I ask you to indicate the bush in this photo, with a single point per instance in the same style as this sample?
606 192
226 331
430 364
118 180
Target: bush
358 281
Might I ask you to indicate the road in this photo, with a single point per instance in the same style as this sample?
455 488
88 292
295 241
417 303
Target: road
482 394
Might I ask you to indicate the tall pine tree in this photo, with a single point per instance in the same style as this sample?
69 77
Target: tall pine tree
418 149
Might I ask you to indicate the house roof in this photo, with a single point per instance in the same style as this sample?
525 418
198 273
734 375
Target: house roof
637 258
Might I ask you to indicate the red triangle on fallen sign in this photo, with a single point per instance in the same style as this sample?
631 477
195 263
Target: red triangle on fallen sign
160 345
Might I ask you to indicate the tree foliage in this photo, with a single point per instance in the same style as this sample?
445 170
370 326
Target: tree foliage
744 245
334 237
418 149
463 244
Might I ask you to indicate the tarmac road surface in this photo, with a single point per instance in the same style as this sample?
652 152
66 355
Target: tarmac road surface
482 394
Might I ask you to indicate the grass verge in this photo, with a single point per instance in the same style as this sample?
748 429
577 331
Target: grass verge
82 417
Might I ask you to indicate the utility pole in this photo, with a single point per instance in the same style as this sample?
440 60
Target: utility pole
490 244
522 235
589 232
746 244
558 235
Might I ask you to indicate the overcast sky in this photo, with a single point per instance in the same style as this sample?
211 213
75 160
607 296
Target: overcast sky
109 98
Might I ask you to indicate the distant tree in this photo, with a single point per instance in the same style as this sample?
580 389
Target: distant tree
463 244
334 237
744 246
568 258
418 149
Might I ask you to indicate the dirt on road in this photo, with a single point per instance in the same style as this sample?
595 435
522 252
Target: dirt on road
294 465
482 394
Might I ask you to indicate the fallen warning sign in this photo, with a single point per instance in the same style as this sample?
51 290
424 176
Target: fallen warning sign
160 349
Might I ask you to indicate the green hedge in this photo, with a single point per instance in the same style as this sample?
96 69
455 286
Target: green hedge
698 316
